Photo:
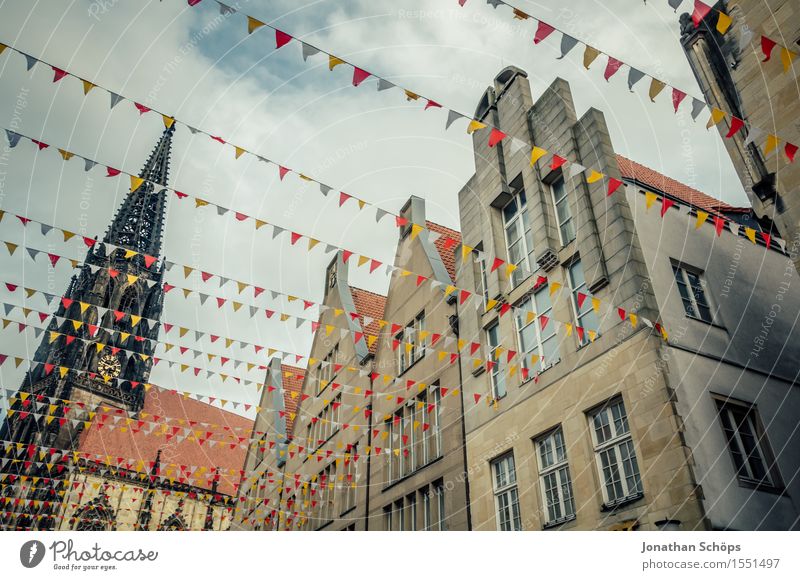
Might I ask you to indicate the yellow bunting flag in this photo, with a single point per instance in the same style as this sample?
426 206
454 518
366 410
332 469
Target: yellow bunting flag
554 287
786 58
334 61
411 96
475 126
135 320
751 234
594 176
772 143
465 252
702 216
415 230
596 304
536 154
200 202
66 155
589 55
716 116
136 181
510 269
649 199
11 248
130 254
253 24
656 86
168 121
362 260
87 86
633 318
723 23
239 151
490 304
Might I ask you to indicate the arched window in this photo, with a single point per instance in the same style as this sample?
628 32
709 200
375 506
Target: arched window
94 517
130 301
173 523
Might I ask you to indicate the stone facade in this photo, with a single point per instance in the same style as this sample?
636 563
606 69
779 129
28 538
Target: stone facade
733 77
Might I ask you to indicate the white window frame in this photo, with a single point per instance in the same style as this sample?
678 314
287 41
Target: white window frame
520 223
619 442
734 436
587 312
544 363
505 489
562 198
552 445
682 275
497 379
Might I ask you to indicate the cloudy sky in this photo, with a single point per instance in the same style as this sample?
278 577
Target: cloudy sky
207 71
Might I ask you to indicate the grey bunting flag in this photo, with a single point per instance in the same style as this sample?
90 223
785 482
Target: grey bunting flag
88 164
379 213
224 9
308 50
276 231
567 44
203 298
115 98
13 138
634 76
192 130
383 84
697 108
30 61
674 4
452 116
755 134
221 210
495 3
575 169
46 229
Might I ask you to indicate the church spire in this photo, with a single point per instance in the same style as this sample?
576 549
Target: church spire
139 222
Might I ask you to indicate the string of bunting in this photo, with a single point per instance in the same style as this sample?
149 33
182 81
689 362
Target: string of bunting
698 105
463 294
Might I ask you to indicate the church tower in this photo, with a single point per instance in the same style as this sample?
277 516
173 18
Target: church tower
112 305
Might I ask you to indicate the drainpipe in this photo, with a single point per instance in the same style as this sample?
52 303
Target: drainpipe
463 424
369 455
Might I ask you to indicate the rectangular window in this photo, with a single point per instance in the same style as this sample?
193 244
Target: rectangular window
519 238
411 512
535 336
554 478
585 316
484 279
387 518
566 226
426 509
498 377
616 457
350 479
410 348
748 445
439 490
326 369
693 295
506 497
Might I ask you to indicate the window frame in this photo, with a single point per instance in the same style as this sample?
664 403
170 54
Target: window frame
588 309
497 379
544 363
614 443
564 197
556 469
684 271
508 490
521 223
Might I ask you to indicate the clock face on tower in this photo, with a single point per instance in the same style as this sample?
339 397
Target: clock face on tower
109 366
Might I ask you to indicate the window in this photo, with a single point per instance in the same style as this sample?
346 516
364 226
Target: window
616 457
554 478
439 490
692 293
566 227
327 369
325 424
747 443
533 338
387 518
519 239
433 514
506 497
325 494
411 512
483 276
498 377
410 348
585 316
415 437
350 478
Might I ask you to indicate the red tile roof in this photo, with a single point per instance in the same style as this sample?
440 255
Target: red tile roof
229 432
293 383
448 253
646 176
370 305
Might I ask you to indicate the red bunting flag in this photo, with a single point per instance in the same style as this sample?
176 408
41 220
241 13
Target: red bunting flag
282 171
295 237
112 172
613 185
432 104
557 162
701 10
790 149
543 320
400 221
496 136
767 238
359 76
142 108
374 265
58 74
581 299
612 67
343 197
53 259
767 44
181 195
622 313
677 98
240 216
281 38
496 264
346 255
41 145
719 224
665 205
476 396
542 31
736 124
